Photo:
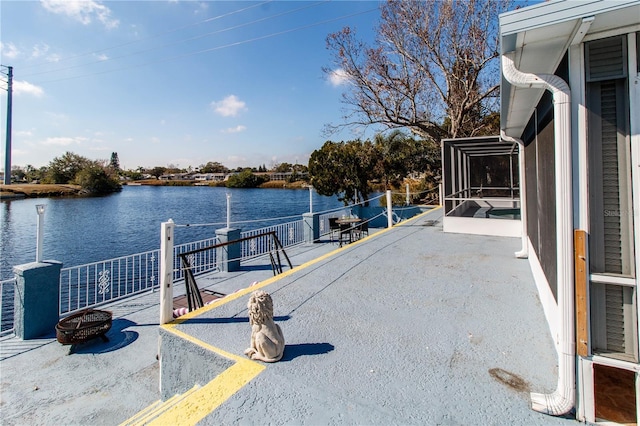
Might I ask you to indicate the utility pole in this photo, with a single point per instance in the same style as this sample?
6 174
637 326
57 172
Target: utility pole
7 152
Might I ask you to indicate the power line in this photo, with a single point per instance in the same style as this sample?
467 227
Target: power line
173 30
180 41
173 58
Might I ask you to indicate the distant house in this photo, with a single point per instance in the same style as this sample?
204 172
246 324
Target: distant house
283 176
176 176
210 177
570 98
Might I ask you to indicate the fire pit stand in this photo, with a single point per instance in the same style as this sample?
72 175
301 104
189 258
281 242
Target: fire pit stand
82 326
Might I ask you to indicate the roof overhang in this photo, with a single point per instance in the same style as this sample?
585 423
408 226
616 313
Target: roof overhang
481 146
540 35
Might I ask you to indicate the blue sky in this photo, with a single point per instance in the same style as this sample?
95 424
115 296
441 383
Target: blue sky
174 82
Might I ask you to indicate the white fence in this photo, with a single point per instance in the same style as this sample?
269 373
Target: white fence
100 282
289 234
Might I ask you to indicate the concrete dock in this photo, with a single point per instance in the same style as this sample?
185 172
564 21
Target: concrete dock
407 326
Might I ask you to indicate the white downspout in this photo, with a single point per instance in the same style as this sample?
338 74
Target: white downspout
524 251
562 400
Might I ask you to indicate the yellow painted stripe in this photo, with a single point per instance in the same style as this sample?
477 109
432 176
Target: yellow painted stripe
165 406
206 399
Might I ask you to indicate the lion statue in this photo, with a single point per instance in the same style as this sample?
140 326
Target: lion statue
267 340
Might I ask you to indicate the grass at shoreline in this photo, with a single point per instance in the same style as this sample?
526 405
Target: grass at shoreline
34 190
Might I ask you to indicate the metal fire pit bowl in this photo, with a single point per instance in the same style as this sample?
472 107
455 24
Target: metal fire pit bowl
82 326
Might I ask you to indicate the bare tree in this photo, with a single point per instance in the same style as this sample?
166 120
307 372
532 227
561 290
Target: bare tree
434 68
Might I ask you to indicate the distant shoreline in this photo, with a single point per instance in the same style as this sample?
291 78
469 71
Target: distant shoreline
34 190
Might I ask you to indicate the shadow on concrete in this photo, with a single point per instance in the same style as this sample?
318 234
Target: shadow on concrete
301 349
117 335
229 320
266 267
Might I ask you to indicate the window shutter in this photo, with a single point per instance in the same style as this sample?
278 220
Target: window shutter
606 59
610 180
614 302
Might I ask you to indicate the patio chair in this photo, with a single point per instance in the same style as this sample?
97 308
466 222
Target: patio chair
345 233
333 227
362 228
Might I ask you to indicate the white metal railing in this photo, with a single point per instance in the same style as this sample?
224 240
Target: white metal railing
96 283
99 282
7 307
289 234
201 262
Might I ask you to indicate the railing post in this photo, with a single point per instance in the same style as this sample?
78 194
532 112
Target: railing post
311 223
408 198
37 298
39 231
166 271
228 210
389 210
229 256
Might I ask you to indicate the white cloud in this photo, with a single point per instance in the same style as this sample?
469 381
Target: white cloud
39 50
62 141
83 11
53 58
24 133
101 57
237 129
20 87
56 117
229 106
202 6
338 77
19 152
9 50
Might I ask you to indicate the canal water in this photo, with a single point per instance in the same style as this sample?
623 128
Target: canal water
84 230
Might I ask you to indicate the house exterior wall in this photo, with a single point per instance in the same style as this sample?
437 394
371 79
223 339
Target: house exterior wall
537 38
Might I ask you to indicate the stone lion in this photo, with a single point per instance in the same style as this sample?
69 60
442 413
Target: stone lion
267 340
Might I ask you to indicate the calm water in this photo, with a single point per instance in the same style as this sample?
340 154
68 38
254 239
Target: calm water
83 230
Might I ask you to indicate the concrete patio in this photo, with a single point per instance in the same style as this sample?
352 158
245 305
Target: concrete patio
407 326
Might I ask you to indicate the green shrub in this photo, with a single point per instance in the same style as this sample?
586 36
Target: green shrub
96 180
245 179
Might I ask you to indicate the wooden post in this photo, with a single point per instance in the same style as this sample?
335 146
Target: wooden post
582 282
